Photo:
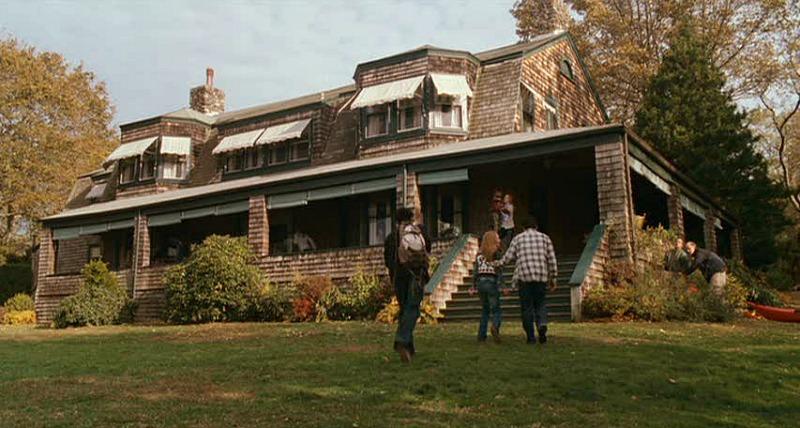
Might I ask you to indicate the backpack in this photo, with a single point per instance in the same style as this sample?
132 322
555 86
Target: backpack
412 252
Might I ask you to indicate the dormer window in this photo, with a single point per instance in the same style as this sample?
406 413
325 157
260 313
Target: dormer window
278 154
566 69
528 104
148 165
376 121
452 93
410 112
127 170
233 161
447 113
551 108
174 167
275 145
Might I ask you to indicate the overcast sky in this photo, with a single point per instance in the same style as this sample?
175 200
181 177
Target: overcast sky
151 52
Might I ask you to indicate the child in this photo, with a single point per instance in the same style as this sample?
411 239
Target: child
507 220
487 281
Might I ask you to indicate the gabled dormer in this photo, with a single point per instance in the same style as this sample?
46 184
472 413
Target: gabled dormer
155 159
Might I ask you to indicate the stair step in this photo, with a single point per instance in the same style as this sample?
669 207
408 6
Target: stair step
508 317
476 301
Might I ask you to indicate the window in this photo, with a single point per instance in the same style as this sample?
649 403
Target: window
528 110
551 105
278 153
127 170
566 69
234 161
299 150
380 221
447 113
376 121
173 166
410 114
251 158
148 166
95 252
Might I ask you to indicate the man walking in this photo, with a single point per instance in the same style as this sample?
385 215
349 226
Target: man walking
406 253
712 266
535 269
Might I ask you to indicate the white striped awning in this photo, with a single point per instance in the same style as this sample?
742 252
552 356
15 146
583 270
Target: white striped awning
283 132
454 85
132 149
237 141
181 146
387 92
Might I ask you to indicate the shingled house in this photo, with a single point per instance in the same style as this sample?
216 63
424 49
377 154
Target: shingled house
313 182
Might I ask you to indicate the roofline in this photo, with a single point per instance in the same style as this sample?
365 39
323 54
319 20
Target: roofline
413 54
322 171
673 169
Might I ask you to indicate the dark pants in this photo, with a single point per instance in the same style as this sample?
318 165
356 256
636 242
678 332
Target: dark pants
532 302
490 302
408 289
506 235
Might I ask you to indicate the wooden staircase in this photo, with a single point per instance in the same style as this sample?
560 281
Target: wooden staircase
465 307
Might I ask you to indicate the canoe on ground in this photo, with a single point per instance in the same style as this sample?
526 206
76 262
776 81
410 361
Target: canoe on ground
776 314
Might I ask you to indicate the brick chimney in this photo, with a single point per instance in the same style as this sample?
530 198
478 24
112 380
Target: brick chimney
207 99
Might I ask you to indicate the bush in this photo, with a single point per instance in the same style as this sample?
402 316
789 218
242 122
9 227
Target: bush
19 302
270 303
15 278
755 285
365 295
218 282
19 317
428 312
100 300
309 290
645 291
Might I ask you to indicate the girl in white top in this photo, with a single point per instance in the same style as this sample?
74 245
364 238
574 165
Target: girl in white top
507 220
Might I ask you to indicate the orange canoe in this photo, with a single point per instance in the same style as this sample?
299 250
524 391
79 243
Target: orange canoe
776 314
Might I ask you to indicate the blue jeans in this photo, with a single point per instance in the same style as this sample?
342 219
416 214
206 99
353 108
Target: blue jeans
489 293
532 303
409 290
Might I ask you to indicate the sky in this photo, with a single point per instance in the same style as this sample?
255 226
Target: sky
150 53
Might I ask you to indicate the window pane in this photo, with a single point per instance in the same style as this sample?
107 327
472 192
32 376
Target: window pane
376 124
278 153
148 166
300 150
127 171
174 166
410 117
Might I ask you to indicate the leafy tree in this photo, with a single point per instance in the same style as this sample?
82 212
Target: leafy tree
689 115
622 43
55 123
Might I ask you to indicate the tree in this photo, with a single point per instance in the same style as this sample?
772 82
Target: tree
694 121
622 43
54 124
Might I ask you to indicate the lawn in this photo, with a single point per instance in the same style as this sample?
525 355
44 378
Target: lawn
344 374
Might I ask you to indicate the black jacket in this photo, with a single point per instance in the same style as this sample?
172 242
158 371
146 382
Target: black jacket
708 262
390 247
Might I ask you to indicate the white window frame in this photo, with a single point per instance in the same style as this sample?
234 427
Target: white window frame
436 113
273 149
142 166
306 153
134 164
386 110
171 163
554 111
229 158
402 106
248 155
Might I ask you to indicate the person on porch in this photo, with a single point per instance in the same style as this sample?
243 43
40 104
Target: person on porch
488 281
495 206
710 264
535 273
507 220
406 255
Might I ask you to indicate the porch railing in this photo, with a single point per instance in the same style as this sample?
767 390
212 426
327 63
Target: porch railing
446 262
585 261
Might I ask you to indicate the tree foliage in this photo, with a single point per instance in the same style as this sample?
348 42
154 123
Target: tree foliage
55 123
689 115
622 43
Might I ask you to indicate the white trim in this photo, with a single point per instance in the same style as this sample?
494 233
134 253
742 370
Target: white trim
649 174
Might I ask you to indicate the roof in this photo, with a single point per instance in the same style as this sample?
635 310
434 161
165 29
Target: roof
446 150
520 48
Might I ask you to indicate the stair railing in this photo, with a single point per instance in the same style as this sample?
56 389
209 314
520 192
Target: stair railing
446 262
578 277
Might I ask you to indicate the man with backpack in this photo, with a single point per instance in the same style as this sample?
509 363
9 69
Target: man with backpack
406 253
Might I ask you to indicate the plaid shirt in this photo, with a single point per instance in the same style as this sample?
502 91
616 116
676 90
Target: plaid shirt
536 259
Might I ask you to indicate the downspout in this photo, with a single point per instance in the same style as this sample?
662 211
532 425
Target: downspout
405 185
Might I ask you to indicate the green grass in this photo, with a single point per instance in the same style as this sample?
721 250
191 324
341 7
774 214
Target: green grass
344 374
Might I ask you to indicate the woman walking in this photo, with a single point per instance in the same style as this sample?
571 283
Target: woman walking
488 281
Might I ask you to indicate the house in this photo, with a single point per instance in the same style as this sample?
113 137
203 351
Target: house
313 182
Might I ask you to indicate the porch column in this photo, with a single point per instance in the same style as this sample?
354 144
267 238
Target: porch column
736 244
614 198
675 210
710 230
408 194
258 226
46 255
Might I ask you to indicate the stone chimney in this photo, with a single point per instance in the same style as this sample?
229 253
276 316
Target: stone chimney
207 99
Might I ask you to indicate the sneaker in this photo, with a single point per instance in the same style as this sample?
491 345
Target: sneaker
495 334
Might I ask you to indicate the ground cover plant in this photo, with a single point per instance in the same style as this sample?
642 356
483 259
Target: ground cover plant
345 374
18 309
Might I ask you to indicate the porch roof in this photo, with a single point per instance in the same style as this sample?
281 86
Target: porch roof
469 147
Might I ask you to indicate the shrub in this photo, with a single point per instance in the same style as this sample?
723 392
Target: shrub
308 292
363 298
100 300
756 286
428 312
19 302
270 303
19 317
15 278
216 283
